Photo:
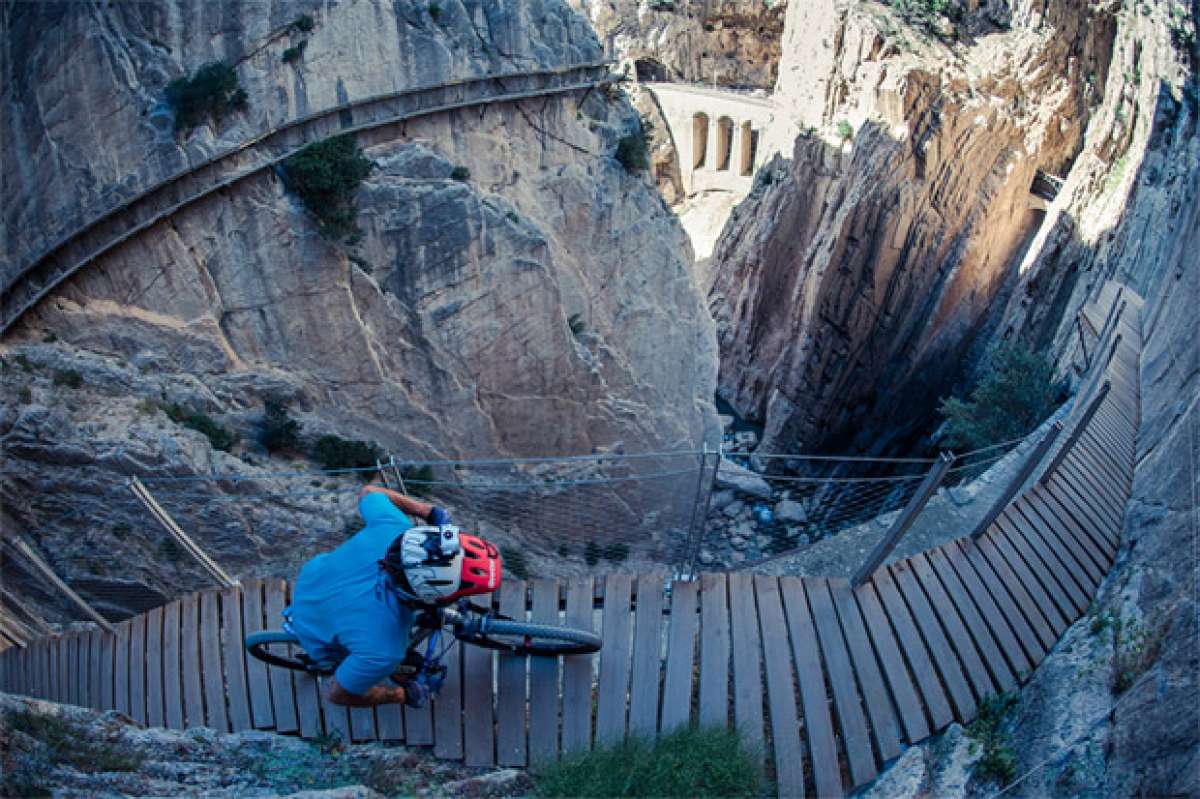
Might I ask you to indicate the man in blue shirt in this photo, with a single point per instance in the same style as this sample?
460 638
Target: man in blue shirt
345 610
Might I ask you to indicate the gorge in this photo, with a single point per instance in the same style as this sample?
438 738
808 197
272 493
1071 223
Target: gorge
911 184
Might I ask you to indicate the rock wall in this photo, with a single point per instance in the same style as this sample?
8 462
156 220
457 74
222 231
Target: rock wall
542 305
851 283
726 42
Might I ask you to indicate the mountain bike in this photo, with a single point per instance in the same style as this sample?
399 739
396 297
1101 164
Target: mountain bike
464 621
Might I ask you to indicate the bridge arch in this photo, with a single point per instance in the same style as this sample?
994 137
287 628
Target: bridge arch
748 149
699 139
724 142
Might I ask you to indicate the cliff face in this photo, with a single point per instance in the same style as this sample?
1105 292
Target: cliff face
542 305
727 42
854 278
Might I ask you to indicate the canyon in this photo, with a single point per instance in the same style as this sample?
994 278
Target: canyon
923 188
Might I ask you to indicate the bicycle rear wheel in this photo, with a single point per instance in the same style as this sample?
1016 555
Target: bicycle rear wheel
279 649
522 638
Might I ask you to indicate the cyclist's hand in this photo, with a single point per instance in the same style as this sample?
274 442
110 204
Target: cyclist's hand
416 695
438 516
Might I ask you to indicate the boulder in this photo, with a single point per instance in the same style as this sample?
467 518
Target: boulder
726 422
721 499
790 512
734 509
707 558
738 542
739 478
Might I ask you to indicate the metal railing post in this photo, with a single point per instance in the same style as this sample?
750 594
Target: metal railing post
905 520
175 531
1015 484
1087 363
699 512
1076 432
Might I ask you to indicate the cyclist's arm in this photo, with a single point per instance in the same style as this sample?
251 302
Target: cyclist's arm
405 503
376 695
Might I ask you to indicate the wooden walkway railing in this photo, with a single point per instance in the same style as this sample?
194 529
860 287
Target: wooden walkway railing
41 274
832 681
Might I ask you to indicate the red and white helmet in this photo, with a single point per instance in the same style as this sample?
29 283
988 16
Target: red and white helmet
439 564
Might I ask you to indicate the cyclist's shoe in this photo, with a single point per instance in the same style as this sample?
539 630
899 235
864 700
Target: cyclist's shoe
416 695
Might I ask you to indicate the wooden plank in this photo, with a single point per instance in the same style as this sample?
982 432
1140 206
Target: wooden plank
984 640
190 663
613 691
952 624
1103 535
71 669
79 651
1046 568
1085 573
954 567
137 669
818 726
295 703
1109 446
479 733
172 673
362 723
121 669
233 648
856 739
418 725
884 727
307 688
543 681
781 696
61 687
1116 475
257 680
714 651
336 717
95 664
1094 561
1059 569
941 653
1107 500
511 746
747 666
107 672
903 690
447 709
155 714
1085 509
681 655
577 672
210 655
998 538
389 721
647 657
985 557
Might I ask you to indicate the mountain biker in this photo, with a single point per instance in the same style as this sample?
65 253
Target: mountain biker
354 607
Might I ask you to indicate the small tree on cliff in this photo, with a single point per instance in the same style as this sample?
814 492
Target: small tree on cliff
213 91
1012 398
325 175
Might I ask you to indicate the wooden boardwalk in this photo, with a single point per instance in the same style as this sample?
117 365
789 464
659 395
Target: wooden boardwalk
833 682
42 273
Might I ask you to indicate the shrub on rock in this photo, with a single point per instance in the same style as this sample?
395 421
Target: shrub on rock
214 91
324 176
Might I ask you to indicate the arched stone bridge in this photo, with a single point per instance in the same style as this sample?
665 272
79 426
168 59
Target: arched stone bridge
717 134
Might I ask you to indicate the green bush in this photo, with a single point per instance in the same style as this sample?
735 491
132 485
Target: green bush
690 762
435 11
998 761
72 744
335 452
923 13
591 553
304 23
617 552
417 480
221 437
1013 397
68 377
25 395
325 176
460 173
515 562
295 52
213 92
277 431
632 152
845 131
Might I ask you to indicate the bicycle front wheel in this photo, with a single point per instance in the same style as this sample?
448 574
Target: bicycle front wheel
522 638
280 649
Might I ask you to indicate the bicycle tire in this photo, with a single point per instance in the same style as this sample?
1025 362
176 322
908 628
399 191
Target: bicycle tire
256 644
522 638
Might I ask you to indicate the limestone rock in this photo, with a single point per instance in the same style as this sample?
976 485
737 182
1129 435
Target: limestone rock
790 512
739 478
734 509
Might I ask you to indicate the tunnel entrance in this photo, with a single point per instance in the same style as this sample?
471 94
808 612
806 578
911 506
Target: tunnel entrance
647 69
